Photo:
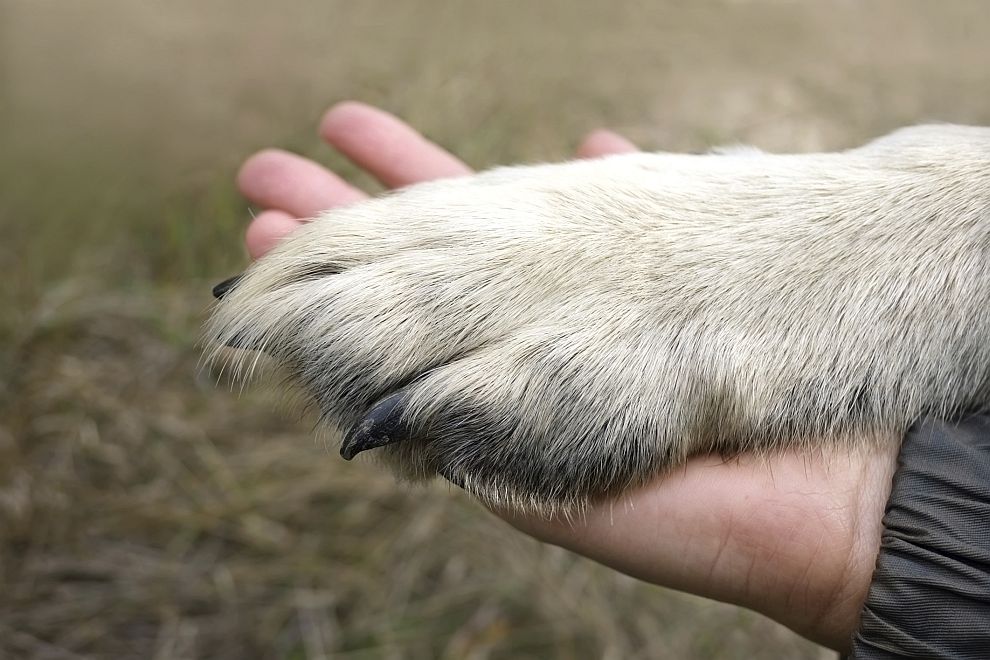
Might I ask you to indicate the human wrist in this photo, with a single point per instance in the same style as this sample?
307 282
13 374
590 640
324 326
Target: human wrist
830 614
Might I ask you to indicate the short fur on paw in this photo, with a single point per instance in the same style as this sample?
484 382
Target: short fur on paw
550 335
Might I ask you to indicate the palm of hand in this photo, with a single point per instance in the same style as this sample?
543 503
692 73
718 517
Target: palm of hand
792 536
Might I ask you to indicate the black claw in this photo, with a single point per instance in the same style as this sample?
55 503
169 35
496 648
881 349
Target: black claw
222 289
381 426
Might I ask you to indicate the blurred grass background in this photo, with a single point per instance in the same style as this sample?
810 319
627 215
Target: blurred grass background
146 513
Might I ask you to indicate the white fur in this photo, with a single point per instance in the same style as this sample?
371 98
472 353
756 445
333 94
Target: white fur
566 331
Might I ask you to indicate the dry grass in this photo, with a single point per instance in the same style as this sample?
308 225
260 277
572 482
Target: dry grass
144 513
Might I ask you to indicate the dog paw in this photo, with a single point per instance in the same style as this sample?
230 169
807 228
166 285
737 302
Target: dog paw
549 335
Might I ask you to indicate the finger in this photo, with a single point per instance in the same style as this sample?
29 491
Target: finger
267 229
281 180
389 149
604 143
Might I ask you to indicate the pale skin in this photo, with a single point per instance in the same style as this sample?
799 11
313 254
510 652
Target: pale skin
792 536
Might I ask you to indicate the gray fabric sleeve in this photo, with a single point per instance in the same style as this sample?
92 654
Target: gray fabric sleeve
930 595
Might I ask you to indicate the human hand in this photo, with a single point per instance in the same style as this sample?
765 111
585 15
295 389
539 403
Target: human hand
792 536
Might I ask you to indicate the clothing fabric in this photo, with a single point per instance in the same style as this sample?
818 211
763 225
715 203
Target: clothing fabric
930 595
